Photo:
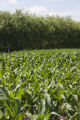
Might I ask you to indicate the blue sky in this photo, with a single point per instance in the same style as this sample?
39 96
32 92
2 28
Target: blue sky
44 7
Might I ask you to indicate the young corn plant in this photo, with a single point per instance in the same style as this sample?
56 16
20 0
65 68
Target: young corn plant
12 105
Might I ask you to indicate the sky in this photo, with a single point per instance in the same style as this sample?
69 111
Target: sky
44 7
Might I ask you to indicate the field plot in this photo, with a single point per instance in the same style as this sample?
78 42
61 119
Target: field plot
40 85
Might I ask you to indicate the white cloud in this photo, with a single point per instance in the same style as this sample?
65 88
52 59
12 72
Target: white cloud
62 13
74 15
12 1
41 10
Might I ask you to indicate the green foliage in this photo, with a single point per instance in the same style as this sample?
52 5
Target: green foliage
21 30
40 85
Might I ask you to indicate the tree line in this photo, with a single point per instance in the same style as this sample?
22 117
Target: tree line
21 30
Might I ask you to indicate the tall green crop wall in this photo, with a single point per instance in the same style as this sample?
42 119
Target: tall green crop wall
25 31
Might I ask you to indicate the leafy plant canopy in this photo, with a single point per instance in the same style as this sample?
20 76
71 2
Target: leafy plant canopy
40 85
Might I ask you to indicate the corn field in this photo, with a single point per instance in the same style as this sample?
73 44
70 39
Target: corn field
40 85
